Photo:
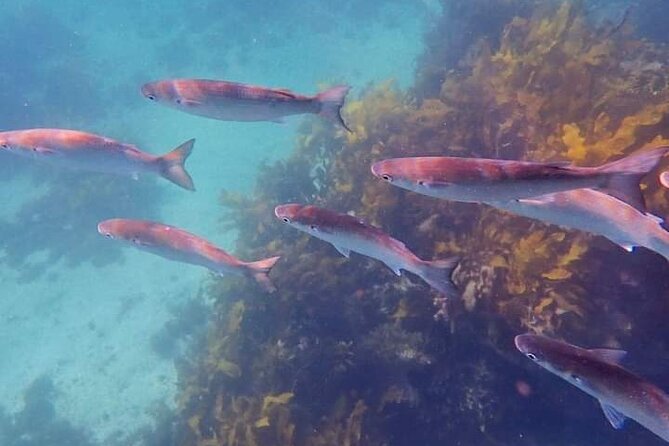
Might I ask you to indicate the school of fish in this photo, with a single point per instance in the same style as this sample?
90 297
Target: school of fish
604 200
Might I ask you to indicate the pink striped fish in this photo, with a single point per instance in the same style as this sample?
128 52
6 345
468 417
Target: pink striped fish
620 393
86 151
598 213
232 101
482 180
347 233
176 244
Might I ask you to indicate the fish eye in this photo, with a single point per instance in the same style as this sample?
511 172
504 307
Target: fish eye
576 378
421 183
5 146
35 149
108 235
135 240
386 177
532 356
178 101
151 97
286 219
313 227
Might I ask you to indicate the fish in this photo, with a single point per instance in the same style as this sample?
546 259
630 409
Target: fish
88 152
621 394
598 213
347 233
176 244
233 101
480 180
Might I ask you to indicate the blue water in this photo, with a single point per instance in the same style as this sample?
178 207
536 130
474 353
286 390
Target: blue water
92 334
77 310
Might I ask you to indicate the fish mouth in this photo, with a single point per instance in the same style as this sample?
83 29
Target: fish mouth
521 342
278 211
664 179
379 172
147 91
103 229
286 210
376 169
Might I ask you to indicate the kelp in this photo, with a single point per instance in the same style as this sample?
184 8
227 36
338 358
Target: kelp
347 353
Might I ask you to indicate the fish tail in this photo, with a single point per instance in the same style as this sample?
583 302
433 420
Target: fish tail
172 165
437 274
626 173
260 272
332 100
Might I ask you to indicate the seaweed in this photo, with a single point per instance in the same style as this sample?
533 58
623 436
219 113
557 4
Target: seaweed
345 352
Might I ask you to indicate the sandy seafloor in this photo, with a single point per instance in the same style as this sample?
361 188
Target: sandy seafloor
88 328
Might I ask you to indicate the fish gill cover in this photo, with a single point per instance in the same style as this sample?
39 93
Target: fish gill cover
345 353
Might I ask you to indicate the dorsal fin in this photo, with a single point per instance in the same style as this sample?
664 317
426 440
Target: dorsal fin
610 355
537 201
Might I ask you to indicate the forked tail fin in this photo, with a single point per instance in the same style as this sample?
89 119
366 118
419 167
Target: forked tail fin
332 100
626 173
438 273
260 272
171 165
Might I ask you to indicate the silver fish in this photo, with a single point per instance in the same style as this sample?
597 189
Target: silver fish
482 180
232 101
176 244
598 213
347 233
597 372
86 151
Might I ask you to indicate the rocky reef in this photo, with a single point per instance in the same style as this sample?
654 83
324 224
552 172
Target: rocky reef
345 353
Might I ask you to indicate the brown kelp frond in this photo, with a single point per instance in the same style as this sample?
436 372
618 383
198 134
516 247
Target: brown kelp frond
537 81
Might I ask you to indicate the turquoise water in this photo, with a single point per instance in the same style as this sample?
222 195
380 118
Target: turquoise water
102 344
87 323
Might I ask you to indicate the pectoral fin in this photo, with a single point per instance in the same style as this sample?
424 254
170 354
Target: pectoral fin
188 103
532 201
394 269
614 416
343 251
44 151
436 184
627 246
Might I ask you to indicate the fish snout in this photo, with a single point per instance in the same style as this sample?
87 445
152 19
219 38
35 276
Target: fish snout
664 179
148 91
521 343
282 213
379 171
526 344
287 212
104 229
